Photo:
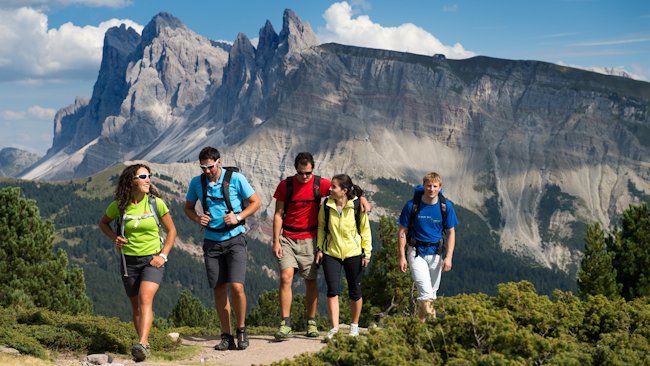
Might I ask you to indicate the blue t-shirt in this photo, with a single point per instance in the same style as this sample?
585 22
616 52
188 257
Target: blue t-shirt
428 222
239 189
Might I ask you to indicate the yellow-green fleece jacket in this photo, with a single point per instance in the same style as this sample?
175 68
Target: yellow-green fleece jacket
343 239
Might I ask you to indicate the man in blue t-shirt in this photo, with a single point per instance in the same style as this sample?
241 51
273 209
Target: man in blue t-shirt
426 241
224 246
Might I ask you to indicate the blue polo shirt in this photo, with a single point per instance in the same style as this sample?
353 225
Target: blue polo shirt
240 189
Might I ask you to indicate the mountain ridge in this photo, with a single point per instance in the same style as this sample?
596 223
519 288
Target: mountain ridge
503 133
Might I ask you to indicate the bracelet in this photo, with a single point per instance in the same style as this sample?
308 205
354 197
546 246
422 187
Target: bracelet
164 256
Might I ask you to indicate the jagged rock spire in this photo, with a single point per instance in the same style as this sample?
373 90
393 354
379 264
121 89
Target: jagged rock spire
295 36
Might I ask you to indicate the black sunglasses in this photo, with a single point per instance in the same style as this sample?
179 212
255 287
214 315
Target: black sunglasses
208 167
143 176
306 174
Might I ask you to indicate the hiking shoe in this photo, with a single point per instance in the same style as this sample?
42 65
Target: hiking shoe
227 343
331 333
312 329
140 352
284 332
354 330
242 339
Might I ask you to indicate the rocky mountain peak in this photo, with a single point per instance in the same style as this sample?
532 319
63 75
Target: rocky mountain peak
159 22
267 45
295 36
13 161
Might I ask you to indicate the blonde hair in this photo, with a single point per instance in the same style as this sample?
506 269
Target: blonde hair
432 177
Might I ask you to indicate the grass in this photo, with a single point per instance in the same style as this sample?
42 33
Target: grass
11 360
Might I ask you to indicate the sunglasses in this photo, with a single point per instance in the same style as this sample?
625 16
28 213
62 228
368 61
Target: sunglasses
143 176
208 167
306 174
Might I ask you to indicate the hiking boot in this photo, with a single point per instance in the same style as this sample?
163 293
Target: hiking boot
227 343
312 329
354 330
284 332
140 352
242 339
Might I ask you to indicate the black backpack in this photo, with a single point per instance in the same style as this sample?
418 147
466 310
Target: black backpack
225 190
415 209
357 219
289 196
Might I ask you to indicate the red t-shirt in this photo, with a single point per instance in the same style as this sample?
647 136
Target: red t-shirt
301 214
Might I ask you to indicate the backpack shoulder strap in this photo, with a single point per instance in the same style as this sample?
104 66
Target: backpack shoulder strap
289 190
443 211
357 214
154 208
326 211
417 199
204 190
225 188
317 189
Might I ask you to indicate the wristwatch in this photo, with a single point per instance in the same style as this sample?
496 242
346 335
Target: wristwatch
238 218
164 256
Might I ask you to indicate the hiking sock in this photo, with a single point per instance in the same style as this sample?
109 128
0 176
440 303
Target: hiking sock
287 321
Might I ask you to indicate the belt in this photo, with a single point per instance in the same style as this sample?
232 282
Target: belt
427 244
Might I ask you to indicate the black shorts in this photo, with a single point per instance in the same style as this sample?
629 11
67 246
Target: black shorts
225 261
139 269
332 267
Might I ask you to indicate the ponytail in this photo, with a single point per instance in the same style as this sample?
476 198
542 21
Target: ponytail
345 182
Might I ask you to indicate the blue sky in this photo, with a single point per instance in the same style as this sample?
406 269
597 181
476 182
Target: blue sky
50 50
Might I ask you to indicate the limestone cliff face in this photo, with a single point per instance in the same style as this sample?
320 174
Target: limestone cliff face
537 149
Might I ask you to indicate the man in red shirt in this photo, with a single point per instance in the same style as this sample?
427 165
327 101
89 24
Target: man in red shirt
295 224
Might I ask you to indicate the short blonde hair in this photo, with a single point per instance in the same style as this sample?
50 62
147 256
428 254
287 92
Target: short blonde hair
432 177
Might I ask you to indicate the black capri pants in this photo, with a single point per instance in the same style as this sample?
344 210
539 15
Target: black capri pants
332 270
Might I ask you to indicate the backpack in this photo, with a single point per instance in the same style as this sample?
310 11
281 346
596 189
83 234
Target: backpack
357 219
122 218
418 192
225 190
289 195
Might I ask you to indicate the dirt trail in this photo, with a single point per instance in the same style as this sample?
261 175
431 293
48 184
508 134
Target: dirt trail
263 350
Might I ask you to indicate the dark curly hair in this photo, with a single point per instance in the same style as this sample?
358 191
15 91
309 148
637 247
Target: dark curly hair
125 186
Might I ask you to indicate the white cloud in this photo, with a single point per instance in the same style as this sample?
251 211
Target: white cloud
38 112
450 8
9 115
29 50
361 31
34 112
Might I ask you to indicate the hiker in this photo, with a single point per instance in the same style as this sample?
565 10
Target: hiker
344 241
422 225
223 192
295 225
139 212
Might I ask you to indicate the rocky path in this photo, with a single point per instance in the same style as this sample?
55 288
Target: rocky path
263 350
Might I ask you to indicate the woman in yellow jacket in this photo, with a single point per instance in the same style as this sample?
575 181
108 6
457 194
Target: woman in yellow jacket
343 246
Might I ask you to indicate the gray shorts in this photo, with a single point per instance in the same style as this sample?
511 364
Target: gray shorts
299 253
139 269
225 261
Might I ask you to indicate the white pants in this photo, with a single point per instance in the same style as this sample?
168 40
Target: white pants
426 271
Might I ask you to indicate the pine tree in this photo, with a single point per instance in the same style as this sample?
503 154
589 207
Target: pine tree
597 275
632 252
396 296
31 274
189 311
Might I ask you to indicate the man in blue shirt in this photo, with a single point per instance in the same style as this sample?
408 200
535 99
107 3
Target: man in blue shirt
224 245
426 241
